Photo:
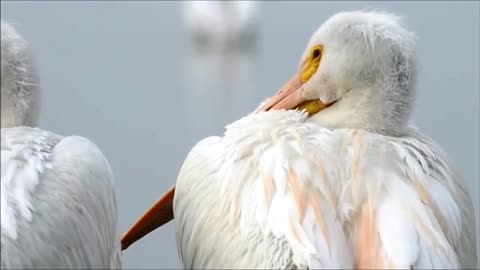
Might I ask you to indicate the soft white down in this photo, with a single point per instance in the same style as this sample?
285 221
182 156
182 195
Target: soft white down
58 206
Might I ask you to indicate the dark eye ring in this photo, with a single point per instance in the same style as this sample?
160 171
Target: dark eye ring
316 53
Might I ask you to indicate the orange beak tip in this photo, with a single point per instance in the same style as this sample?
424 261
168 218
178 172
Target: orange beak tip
159 214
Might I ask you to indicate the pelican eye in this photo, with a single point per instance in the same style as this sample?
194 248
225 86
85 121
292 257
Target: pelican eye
310 66
316 53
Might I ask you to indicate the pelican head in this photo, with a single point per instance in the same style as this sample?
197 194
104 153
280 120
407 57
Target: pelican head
19 82
358 71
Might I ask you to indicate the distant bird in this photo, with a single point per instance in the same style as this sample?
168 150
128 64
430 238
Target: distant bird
221 24
343 181
58 206
219 59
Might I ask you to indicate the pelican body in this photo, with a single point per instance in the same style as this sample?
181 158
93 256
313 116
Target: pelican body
58 206
328 173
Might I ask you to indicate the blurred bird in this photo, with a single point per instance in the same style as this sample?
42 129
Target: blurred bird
219 60
58 206
328 173
220 24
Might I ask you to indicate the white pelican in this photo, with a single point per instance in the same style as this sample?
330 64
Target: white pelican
347 184
58 207
221 24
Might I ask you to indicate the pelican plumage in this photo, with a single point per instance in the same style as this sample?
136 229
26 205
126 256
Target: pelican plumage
328 173
58 206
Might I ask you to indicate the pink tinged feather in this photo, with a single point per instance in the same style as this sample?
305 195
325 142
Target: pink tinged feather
428 227
314 203
268 189
444 208
326 191
298 237
298 194
369 253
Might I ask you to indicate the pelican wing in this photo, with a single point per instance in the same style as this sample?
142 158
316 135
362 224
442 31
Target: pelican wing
58 204
195 180
276 178
282 192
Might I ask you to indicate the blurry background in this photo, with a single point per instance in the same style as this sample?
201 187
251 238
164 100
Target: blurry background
125 75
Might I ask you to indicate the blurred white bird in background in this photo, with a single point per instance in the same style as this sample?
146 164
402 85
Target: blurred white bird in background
58 206
219 60
346 184
214 24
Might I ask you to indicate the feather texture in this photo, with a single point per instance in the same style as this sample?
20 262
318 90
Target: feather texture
58 203
277 191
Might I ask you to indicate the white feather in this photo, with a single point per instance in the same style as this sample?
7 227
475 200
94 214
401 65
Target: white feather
58 206
62 217
384 178
397 233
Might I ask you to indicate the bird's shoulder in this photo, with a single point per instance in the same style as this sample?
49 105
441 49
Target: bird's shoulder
201 161
60 191
26 153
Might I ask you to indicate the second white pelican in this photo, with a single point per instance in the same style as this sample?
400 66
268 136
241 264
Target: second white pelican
58 206
349 184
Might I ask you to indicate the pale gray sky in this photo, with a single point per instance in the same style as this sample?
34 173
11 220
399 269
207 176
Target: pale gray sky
120 74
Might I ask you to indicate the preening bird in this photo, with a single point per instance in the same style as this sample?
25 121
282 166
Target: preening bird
58 206
327 173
